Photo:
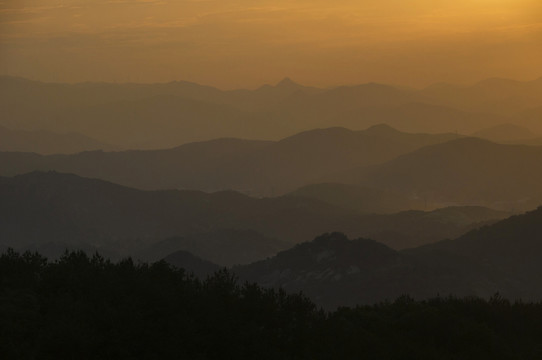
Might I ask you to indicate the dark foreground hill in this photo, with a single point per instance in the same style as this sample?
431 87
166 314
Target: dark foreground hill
334 271
510 249
50 211
90 308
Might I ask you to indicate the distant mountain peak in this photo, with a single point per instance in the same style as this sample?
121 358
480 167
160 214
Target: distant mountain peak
287 82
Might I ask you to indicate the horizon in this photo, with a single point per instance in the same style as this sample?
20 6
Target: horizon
239 44
277 83
286 179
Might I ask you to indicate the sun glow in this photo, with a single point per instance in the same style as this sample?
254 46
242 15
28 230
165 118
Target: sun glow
242 43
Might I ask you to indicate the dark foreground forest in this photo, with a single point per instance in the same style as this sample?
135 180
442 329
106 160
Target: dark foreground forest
82 307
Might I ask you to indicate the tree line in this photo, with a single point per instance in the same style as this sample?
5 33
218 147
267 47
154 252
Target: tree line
88 307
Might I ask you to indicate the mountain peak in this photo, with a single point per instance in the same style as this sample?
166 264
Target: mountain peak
287 82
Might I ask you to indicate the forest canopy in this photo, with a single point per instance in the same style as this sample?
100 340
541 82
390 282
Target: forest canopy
88 307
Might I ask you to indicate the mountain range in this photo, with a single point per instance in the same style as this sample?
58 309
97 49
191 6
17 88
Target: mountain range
260 168
462 171
408 171
49 212
416 191
464 250
170 114
334 271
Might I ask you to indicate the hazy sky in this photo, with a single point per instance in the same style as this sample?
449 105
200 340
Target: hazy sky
245 43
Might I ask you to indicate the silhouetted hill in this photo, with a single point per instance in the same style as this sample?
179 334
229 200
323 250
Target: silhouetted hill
335 271
510 250
253 167
504 257
168 114
323 268
58 95
208 165
464 171
192 264
42 207
145 115
61 211
309 156
44 142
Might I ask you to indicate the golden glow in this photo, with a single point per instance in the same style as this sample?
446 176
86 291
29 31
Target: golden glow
245 43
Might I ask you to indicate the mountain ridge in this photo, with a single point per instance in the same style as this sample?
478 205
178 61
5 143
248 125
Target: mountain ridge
255 167
190 112
461 171
335 271
40 208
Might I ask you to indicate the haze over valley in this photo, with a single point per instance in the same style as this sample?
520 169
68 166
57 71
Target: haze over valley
270 180
170 114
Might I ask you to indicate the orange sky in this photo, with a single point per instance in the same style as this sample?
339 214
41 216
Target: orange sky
245 43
